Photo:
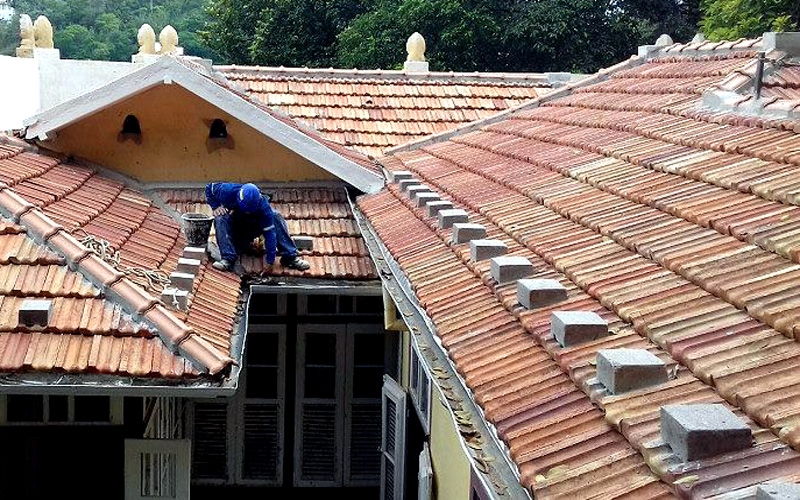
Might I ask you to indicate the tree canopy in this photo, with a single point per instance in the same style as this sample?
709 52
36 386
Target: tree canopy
460 35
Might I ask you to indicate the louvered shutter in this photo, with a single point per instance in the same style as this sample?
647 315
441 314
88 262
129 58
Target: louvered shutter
392 440
209 442
261 454
319 426
365 432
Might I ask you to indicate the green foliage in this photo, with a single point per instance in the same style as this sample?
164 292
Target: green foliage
107 30
734 19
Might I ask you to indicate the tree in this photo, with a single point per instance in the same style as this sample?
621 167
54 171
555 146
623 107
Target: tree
734 19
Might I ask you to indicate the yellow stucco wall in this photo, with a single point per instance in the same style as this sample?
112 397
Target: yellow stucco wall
451 468
175 126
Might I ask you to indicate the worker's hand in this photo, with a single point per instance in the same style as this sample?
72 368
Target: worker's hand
220 211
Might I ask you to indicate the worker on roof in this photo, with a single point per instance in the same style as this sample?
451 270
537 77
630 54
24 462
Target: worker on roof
242 214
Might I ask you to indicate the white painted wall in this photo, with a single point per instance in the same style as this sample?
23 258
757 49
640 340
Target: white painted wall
19 91
65 79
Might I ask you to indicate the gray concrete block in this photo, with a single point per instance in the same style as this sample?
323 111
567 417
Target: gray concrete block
505 269
465 231
303 242
404 184
434 207
422 199
788 42
451 216
415 189
181 281
175 298
486 249
398 175
574 327
778 491
197 253
698 431
533 293
35 312
623 370
189 266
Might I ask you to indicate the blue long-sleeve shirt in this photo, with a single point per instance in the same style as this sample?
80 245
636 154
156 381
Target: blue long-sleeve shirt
226 194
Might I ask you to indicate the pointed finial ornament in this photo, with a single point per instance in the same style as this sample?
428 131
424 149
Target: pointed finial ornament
147 39
169 40
415 46
43 33
664 40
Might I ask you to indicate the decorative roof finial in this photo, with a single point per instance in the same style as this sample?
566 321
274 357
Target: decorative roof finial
699 38
27 37
664 40
147 39
415 46
169 40
43 33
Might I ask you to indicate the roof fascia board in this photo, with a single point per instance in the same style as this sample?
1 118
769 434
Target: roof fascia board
493 454
564 91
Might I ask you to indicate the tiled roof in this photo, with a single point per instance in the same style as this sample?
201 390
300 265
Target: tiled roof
784 83
371 111
320 212
677 225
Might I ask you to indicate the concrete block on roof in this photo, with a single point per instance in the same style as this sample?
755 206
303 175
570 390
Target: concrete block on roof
697 431
505 269
574 327
421 199
303 242
189 266
465 231
181 281
413 190
404 184
197 253
778 491
623 370
175 298
533 293
398 175
486 249
788 42
434 207
451 216
35 312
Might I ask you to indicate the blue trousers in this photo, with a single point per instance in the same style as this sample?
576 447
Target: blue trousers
236 231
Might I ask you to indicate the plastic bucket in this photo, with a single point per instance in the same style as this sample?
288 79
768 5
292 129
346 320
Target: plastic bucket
196 228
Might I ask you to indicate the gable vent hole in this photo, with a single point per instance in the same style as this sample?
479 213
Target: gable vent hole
131 125
218 130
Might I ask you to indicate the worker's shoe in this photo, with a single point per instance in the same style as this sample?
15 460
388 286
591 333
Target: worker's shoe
297 263
222 265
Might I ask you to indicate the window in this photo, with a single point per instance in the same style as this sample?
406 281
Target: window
420 388
57 409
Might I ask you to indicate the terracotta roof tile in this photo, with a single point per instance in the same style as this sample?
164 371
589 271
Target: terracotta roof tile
677 227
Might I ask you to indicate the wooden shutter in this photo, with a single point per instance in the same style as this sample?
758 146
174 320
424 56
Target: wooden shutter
210 442
261 446
319 425
392 440
425 474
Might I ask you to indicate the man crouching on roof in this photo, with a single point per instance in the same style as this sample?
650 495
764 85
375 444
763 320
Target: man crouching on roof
242 214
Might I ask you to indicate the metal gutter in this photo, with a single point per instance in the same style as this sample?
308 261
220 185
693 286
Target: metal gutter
107 385
488 455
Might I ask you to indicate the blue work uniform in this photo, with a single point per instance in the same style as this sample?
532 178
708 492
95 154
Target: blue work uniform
236 230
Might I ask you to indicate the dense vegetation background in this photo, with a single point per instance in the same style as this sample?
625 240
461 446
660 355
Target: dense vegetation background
461 35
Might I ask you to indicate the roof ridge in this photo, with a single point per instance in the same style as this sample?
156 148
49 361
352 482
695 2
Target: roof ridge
176 334
601 75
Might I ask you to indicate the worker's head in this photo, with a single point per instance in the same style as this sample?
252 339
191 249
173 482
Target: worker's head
249 198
